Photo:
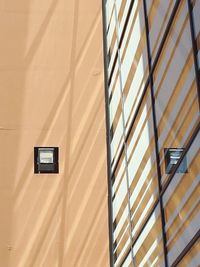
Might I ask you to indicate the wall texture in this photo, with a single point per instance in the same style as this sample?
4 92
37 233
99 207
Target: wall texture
51 94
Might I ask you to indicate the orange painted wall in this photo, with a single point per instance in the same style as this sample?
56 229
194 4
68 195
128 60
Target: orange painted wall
52 94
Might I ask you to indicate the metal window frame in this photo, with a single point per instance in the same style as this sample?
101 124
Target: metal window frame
38 166
108 139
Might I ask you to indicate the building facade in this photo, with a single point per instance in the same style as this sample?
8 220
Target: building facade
52 95
152 87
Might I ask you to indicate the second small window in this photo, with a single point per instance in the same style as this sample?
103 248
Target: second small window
172 156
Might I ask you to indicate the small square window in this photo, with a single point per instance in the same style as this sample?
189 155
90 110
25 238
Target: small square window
46 155
172 156
46 160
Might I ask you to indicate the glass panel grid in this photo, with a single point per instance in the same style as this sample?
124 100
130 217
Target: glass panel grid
153 64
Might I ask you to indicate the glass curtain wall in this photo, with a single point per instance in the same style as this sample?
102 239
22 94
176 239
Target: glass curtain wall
152 90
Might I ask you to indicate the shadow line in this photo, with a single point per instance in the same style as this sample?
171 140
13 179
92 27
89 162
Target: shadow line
68 136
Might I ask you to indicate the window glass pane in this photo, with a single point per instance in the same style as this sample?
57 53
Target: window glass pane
176 100
116 122
192 258
142 165
121 220
182 204
112 36
115 103
122 247
130 25
148 250
109 11
122 12
128 261
113 80
134 67
46 156
159 12
118 174
117 141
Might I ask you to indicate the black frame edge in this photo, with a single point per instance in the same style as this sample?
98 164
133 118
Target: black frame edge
110 210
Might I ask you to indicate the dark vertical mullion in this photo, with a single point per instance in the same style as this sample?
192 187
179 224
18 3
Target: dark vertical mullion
108 138
194 47
155 133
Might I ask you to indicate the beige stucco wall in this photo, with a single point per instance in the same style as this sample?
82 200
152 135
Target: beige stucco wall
51 94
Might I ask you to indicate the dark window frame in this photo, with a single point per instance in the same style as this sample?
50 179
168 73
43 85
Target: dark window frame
46 168
170 166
